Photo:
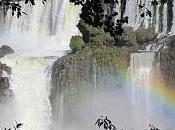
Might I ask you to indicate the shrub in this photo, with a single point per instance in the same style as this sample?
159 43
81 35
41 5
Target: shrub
76 43
102 39
128 37
145 35
94 35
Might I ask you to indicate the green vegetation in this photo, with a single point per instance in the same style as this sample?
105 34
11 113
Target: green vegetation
76 43
145 35
104 55
128 37
97 36
94 35
87 71
132 37
167 60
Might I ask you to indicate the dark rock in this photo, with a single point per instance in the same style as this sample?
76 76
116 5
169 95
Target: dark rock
4 50
4 83
4 67
5 91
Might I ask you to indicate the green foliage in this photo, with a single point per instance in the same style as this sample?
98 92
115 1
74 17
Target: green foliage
76 43
144 35
167 60
132 37
104 38
94 35
128 37
95 13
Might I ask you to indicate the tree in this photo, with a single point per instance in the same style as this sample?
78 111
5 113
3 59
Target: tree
15 6
93 13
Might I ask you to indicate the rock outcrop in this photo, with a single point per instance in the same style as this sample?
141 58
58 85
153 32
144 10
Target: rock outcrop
4 50
5 70
84 72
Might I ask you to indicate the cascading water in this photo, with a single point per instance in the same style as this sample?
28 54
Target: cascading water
30 85
43 24
37 37
45 31
141 68
161 18
146 105
141 75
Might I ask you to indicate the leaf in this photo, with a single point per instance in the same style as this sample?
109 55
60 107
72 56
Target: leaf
100 124
18 125
142 15
26 1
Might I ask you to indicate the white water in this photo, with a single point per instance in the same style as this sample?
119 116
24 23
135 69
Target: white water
45 31
30 84
140 70
146 105
38 36
133 11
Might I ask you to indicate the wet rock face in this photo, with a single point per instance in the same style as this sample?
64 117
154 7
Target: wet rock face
167 59
78 75
4 67
4 50
5 91
4 83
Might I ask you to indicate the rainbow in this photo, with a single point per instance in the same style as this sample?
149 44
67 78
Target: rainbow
164 89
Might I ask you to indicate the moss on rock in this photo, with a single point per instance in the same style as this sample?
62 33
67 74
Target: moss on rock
88 70
167 59
145 35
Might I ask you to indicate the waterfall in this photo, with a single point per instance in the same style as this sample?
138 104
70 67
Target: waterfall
37 38
43 24
146 105
141 70
162 15
30 85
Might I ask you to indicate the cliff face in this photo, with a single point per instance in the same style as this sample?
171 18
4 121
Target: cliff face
4 71
79 74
